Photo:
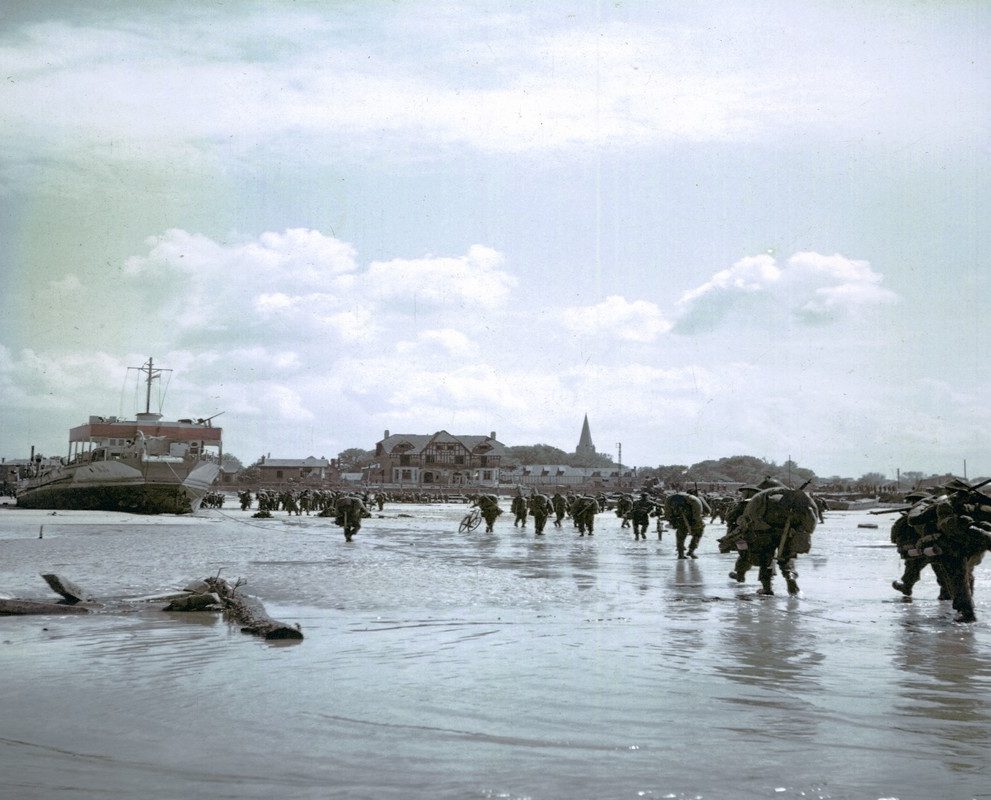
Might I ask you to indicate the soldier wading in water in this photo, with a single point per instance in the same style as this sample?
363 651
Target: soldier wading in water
686 513
488 504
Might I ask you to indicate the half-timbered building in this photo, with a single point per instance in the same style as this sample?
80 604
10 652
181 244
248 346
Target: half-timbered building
440 459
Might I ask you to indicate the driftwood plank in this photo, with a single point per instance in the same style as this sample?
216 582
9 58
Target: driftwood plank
66 588
249 612
9 608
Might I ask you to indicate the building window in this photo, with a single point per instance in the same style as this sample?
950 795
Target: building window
459 459
429 458
404 461
407 474
487 475
278 474
483 461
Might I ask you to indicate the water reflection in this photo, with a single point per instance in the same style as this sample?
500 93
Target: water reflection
584 560
773 659
945 686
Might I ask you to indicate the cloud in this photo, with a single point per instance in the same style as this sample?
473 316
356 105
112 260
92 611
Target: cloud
302 283
809 288
446 341
616 318
229 82
472 281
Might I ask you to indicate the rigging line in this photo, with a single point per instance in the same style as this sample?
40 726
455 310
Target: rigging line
123 388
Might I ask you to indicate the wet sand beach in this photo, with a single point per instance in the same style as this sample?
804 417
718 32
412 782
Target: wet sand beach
447 665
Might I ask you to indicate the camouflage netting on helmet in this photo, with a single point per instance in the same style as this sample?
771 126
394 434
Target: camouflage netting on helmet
684 510
769 511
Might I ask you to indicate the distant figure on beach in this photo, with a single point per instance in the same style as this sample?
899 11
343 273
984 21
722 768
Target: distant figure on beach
624 505
488 504
583 512
518 507
540 507
640 511
560 507
685 512
350 510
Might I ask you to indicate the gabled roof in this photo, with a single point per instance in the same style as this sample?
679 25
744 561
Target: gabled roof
416 443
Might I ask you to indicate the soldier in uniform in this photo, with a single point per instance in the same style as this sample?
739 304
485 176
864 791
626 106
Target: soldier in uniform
962 535
905 536
583 512
733 541
518 507
685 512
624 505
350 510
560 507
540 507
778 523
488 504
640 513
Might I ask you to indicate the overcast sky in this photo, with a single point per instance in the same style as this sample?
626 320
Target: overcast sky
716 228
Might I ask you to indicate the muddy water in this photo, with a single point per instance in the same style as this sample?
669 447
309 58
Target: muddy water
447 665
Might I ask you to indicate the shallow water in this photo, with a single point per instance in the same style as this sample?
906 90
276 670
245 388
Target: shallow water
447 665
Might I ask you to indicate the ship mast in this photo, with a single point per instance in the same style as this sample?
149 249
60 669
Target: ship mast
152 375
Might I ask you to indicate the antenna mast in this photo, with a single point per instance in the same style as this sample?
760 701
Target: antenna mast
152 375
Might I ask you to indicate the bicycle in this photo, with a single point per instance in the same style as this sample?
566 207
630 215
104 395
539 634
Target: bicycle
471 521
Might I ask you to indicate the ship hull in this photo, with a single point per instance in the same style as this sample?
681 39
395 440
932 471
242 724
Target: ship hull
113 486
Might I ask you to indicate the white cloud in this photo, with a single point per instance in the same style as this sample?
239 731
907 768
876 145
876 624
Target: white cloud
617 318
445 340
504 83
472 281
810 288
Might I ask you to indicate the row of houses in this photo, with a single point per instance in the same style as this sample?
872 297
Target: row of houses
444 460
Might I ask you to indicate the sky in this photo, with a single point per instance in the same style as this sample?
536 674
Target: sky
722 228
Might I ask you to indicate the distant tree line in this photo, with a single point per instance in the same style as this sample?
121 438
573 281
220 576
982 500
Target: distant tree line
733 469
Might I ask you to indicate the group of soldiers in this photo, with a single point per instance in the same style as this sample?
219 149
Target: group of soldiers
947 528
347 508
768 526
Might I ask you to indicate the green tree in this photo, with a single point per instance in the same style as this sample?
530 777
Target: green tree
232 462
536 454
354 458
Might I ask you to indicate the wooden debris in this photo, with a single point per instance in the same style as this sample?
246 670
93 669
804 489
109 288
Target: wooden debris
207 594
10 608
251 614
194 602
66 588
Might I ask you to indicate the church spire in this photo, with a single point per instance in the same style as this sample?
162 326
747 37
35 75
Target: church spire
585 446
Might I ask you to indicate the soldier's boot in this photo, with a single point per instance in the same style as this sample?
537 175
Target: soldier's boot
766 575
898 586
791 582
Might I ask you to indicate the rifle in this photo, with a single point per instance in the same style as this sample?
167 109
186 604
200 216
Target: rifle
973 488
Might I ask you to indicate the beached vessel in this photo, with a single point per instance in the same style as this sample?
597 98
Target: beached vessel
146 465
